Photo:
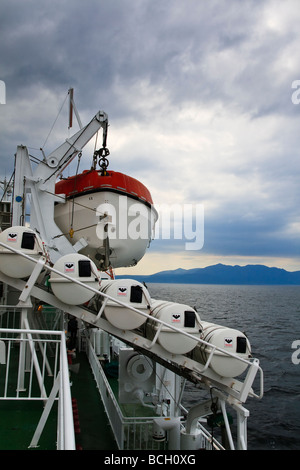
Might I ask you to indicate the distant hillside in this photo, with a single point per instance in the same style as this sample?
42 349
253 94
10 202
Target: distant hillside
224 274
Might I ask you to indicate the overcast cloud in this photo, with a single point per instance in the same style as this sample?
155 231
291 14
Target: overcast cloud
198 95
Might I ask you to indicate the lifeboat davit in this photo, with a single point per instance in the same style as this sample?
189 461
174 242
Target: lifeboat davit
111 211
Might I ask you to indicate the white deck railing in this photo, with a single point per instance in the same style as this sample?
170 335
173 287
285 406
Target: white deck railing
130 432
133 432
28 373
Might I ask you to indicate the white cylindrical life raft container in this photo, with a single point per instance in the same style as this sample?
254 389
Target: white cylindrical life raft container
229 340
178 315
24 240
79 268
131 293
101 342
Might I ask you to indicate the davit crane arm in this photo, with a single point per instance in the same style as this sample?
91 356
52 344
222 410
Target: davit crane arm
65 153
41 185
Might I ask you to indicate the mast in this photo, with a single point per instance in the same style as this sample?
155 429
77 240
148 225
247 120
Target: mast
71 91
72 108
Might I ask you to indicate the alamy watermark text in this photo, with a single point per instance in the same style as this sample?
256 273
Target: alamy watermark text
296 94
2 92
296 354
135 220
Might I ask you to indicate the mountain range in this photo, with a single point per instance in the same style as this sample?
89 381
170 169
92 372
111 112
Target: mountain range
224 274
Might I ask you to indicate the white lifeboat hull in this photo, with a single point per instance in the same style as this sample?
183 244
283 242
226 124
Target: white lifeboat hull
113 223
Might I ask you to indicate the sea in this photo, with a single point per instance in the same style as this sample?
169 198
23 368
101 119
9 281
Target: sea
270 317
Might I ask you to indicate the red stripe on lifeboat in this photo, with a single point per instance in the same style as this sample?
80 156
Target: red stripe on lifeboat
90 181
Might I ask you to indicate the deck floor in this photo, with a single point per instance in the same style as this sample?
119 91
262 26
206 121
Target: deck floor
18 422
19 418
95 431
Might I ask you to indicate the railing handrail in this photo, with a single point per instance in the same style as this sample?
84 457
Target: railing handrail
250 362
129 421
60 388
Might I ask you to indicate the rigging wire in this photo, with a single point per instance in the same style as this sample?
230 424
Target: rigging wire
7 186
162 382
51 129
62 166
77 204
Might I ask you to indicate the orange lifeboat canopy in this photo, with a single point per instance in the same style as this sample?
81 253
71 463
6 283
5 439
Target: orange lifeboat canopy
91 181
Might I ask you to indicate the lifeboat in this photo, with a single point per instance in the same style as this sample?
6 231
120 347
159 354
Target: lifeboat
111 211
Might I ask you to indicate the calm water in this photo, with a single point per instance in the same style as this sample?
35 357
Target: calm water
270 317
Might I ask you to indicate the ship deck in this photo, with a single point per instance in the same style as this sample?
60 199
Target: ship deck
94 431
19 419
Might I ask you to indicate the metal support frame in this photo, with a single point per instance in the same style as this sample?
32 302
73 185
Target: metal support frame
60 387
49 403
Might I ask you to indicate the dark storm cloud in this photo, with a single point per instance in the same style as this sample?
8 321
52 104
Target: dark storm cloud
98 46
198 95
199 51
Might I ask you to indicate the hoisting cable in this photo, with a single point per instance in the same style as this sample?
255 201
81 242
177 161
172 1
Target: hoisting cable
102 153
214 409
94 154
218 419
71 232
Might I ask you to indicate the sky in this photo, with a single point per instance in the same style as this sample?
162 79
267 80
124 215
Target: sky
203 104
